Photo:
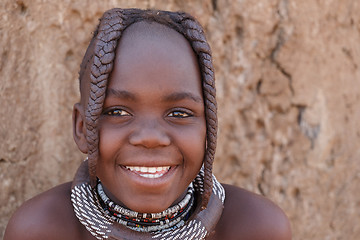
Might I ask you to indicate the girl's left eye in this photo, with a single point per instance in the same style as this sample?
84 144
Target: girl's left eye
179 114
117 112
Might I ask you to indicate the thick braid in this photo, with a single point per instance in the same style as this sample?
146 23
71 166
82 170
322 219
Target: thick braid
109 31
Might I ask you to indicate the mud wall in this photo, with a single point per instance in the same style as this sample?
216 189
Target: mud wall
288 84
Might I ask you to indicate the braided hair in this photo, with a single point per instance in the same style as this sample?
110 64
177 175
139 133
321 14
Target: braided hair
100 57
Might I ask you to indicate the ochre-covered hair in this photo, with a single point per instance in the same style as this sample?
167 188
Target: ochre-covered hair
100 58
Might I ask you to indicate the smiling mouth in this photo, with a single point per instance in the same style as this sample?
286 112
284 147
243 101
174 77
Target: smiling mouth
149 172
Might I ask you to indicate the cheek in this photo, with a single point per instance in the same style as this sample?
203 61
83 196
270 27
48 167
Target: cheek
193 145
109 140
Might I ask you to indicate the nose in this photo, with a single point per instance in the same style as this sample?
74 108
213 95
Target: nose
149 134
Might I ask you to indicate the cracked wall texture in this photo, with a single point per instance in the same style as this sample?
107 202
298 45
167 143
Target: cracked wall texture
288 84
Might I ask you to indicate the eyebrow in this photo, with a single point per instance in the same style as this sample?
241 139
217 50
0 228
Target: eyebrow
120 94
177 96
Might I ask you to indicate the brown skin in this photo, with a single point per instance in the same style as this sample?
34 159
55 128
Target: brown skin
148 131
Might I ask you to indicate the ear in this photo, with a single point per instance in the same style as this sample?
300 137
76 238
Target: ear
79 128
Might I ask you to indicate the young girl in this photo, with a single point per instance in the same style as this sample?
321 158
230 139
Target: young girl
147 121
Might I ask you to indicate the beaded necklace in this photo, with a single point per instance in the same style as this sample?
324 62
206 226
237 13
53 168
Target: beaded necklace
171 218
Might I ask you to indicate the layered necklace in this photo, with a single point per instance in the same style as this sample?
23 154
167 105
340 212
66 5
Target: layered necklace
104 219
171 218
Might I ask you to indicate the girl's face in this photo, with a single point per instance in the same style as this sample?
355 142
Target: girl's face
152 130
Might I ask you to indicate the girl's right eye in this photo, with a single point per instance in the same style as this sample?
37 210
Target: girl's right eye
117 112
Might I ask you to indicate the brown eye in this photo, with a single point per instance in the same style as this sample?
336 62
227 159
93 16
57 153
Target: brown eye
179 114
117 112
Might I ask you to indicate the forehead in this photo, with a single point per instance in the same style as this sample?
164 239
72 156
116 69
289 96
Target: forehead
149 34
157 52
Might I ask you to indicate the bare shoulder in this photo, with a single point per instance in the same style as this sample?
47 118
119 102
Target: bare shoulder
249 216
47 216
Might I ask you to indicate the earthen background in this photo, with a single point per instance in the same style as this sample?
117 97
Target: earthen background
288 83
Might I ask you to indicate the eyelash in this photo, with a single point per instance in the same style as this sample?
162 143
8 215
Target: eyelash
179 114
117 112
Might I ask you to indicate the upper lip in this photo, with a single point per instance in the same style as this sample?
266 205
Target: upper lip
149 157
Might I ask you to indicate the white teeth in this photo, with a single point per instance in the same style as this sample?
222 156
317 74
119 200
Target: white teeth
151 175
149 172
